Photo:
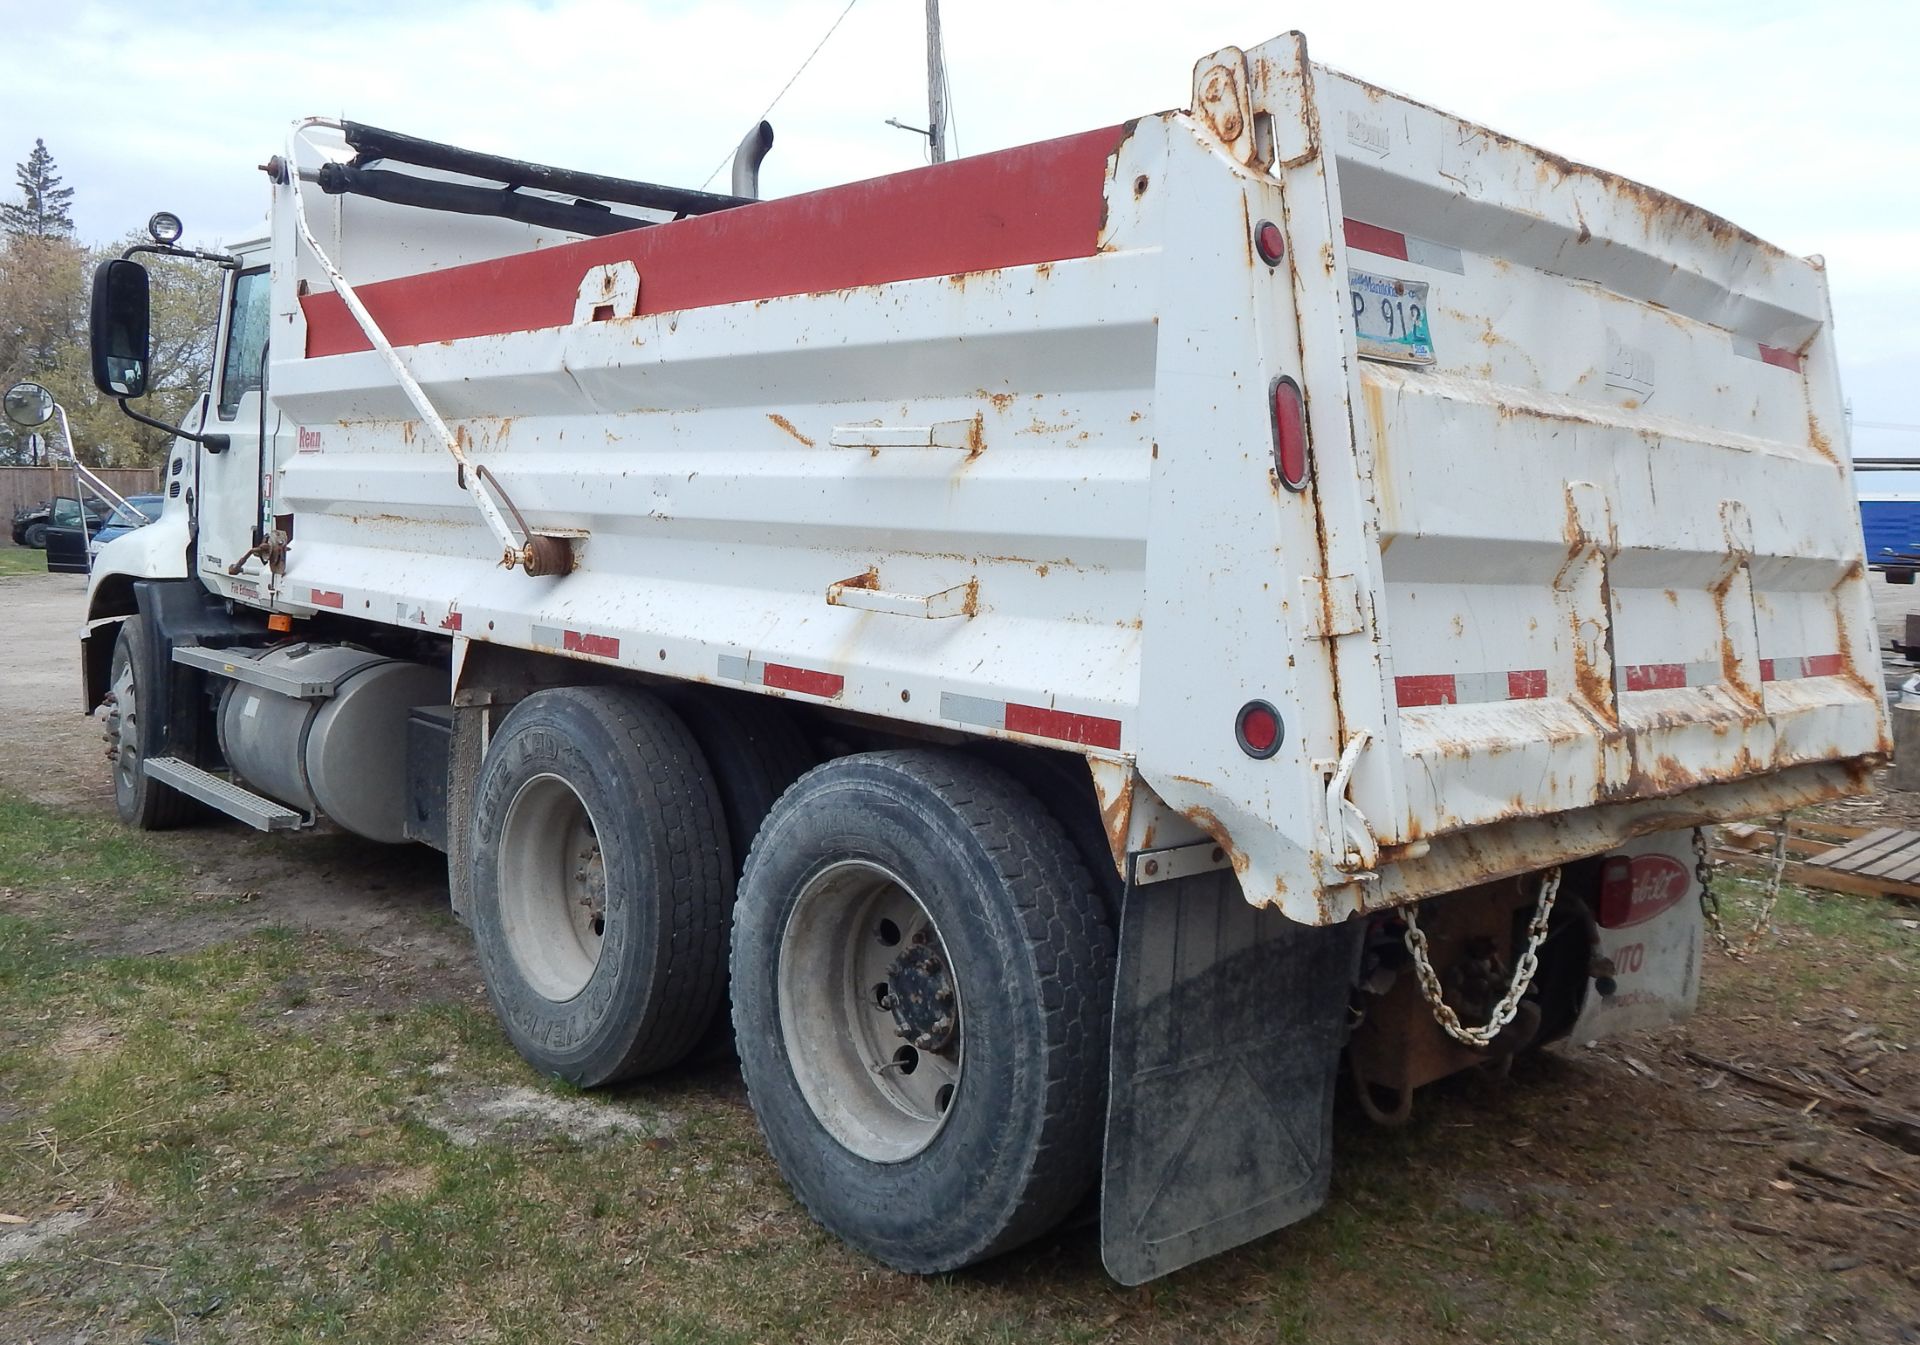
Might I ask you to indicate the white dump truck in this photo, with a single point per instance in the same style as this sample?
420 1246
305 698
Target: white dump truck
1067 656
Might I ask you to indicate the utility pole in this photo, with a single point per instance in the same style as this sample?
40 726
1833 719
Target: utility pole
936 86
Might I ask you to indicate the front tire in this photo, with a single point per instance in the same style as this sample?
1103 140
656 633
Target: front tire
141 802
922 982
601 883
36 537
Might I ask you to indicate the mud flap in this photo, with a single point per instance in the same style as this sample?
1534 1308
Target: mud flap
1227 1029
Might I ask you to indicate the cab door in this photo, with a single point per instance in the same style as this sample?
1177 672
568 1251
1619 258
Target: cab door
232 499
69 529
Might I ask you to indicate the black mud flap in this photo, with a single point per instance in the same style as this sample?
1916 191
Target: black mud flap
1228 1023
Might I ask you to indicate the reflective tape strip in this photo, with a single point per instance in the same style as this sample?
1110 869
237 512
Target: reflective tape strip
1037 721
1364 237
323 598
1791 669
782 677
1777 356
576 641
1518 684
1668 676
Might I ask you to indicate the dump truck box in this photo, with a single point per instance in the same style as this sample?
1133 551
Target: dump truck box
991 447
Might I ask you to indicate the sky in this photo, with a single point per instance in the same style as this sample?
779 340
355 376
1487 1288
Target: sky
1793 120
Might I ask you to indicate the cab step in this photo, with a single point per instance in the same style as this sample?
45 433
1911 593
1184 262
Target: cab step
256 810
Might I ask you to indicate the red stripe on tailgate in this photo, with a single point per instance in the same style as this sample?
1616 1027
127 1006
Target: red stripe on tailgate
1091 730
806 680
322 598
1372 238
1655 676
1035 203
1823 665
1527 684
1785 359
1427 689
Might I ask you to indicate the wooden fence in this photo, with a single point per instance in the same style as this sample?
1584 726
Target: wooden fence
22 486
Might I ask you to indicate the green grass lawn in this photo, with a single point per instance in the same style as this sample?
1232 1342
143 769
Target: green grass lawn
288 1136
22 560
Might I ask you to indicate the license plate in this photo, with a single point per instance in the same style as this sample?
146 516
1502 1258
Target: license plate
1390 317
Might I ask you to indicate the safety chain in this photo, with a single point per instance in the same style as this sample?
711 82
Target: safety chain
1509 1004
1703 867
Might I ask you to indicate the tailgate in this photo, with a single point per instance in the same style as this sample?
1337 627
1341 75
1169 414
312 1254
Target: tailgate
1603 498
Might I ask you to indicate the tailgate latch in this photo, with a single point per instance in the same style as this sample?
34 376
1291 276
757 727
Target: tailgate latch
1349 834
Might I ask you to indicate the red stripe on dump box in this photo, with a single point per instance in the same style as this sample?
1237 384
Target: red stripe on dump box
451 622
1034 203
1654 676
1432 689
1785 359
580 642
1092 730
805 680
1824 665
1372 238
322 598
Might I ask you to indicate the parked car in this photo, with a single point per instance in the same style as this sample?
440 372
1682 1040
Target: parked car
137 512
30 523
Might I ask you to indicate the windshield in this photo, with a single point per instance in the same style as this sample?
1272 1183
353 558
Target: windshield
135 512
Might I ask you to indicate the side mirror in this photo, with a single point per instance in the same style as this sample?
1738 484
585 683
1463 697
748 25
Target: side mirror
119 329
28 406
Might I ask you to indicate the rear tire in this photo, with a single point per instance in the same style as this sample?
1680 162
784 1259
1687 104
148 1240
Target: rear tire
141 802
909 874
600 883
37 536
755 753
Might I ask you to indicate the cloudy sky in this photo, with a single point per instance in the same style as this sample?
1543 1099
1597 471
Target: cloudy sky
1794 120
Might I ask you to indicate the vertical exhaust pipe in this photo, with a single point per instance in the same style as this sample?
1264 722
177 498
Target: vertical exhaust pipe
746 160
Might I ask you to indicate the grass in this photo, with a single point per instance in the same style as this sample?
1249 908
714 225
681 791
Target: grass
21 560
282 1136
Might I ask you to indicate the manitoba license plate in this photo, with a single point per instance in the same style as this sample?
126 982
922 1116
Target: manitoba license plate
1390 317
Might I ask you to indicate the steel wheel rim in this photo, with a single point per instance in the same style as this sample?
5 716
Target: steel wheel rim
123 730
553 887
855 930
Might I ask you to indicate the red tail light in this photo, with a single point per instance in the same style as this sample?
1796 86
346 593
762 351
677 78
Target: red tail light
1290 460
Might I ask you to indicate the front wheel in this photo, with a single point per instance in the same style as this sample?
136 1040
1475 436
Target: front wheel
36 537
922 977
140 801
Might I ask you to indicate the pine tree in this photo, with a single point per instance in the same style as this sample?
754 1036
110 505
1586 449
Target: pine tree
43 209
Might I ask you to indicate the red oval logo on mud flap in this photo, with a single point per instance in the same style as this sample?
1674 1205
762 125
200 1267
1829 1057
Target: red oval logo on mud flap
1633 891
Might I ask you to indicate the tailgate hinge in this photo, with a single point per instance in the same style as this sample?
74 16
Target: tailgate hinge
1330 606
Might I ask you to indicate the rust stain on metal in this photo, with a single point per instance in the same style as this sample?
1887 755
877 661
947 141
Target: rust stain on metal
1113 784
1001 400
1219 103
787 425
976 437
1205 819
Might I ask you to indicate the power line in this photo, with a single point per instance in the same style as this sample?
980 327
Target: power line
788 85
1885 425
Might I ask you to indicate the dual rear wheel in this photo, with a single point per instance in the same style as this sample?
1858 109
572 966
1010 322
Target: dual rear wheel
921 965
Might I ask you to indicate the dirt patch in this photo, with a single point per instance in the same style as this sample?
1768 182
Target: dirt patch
348 1185
83 1039
28 1240
518 1115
